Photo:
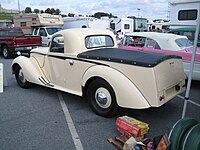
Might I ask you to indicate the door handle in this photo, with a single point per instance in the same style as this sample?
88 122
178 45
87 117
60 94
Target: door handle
71 62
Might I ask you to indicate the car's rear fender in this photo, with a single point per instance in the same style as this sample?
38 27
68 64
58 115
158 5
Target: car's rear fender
127 94
31 70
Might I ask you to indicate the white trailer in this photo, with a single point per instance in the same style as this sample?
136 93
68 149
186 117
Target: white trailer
86 22
122 25
183 13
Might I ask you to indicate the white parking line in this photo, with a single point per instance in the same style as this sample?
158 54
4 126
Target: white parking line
74 134
194 103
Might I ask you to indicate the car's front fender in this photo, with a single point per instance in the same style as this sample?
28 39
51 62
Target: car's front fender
127 94
31 69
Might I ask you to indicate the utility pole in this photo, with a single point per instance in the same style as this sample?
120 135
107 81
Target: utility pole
18 6
138 12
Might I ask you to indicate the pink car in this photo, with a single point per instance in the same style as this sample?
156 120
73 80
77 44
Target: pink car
166 44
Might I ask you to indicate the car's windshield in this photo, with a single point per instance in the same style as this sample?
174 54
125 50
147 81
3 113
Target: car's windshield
53 30
183 43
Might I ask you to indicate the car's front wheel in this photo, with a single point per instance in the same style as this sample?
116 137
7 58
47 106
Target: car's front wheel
21 80
102 98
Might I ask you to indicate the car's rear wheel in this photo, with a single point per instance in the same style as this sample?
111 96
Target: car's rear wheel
102 98
21 80
6 52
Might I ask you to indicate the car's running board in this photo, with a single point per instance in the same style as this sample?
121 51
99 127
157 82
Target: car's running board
45 82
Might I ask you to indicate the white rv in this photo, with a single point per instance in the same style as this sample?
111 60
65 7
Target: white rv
183 18
86 22
183 13
122 25
161 25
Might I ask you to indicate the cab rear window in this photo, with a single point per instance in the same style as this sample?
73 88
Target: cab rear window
96 41
11 33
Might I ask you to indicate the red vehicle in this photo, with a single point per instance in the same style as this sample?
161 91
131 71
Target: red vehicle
13 40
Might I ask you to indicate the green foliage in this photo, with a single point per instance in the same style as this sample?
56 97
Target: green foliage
48 10
57 12
53 11
28 10
5 16
103 14
36 11
71 15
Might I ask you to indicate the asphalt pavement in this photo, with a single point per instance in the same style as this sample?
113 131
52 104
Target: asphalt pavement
35 119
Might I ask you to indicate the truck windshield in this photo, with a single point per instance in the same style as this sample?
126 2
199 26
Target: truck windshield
53 30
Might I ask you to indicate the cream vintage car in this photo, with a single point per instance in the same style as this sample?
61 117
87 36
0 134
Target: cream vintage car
88 62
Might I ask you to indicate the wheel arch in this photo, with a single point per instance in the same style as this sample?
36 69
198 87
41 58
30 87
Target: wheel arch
2 45
127 94
32 72
85 87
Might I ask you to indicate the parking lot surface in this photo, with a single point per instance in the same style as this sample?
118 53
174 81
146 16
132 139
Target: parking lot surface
35 119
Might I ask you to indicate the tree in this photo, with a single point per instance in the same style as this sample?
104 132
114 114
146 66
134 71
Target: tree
57 12
71 15
36 11
48 10
103 14
42 11
100 14
53 11
28 10
63 15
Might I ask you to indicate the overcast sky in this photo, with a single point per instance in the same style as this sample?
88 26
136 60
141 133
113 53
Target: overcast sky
150 9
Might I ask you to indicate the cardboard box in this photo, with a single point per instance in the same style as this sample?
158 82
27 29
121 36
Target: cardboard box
129 126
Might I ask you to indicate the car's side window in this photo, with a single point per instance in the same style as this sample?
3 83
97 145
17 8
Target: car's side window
42 32
150 43
135 41
35 32
57 44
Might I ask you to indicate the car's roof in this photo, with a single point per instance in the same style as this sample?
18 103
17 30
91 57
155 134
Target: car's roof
75 38
156 35
165 40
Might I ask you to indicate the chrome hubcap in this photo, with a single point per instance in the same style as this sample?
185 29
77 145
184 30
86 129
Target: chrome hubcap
5 52
103 98
21 76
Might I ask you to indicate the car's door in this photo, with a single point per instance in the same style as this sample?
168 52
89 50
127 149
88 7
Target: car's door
55 62
43 34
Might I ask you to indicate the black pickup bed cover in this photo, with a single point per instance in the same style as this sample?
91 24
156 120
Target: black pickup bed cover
132 57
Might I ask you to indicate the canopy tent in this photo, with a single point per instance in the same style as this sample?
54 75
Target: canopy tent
186 99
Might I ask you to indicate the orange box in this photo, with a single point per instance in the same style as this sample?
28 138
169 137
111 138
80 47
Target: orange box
129 126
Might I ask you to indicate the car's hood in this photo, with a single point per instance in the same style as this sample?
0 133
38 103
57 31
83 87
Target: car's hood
40 50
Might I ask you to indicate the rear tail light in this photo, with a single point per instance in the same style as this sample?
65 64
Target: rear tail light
177 87
14 41
162 97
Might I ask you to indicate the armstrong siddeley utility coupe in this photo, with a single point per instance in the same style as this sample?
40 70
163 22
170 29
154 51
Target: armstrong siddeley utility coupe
88 62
